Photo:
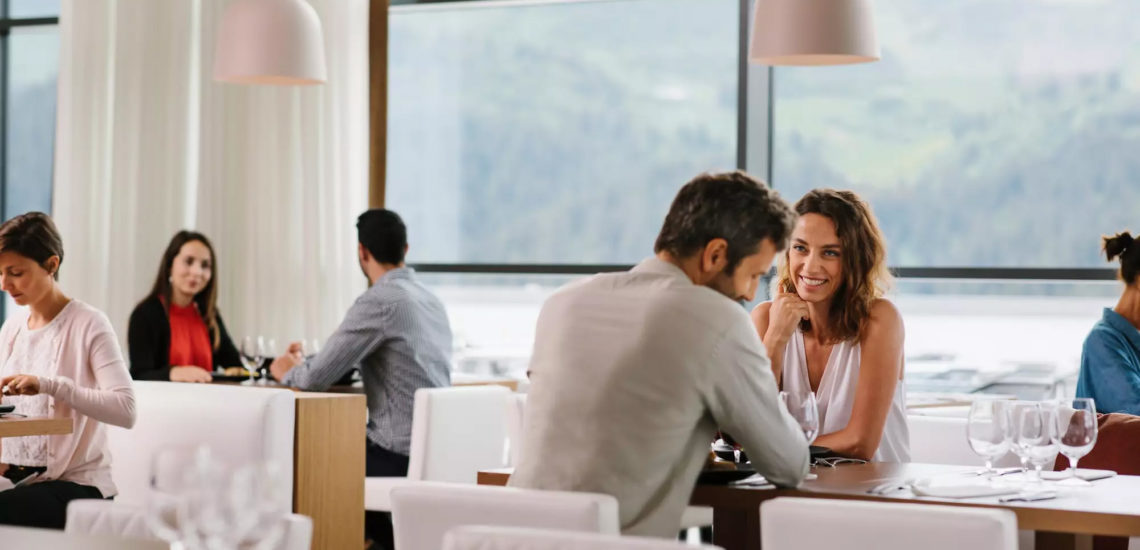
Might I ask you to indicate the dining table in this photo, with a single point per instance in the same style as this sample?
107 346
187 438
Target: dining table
1109 506
18 426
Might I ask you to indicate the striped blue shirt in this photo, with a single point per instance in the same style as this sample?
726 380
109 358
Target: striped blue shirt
397 331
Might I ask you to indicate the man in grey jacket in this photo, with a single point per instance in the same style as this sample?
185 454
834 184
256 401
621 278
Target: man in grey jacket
632 373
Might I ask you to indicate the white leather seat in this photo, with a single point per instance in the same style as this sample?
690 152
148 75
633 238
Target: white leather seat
422 513
942 440
477 537
240 426
456 432
795 523
97 517
18 538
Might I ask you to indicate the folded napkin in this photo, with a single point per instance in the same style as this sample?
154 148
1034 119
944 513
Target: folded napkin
1086 474
927 488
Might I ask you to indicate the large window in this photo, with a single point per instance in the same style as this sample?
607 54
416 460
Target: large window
992 134
554 132
29 62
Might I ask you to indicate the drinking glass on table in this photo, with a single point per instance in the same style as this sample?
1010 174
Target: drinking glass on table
805 411
253 350
169 470
1035 436
310 347
988 431
1075 429
269 351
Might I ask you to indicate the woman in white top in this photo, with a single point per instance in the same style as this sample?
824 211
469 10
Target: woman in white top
59 358
830 331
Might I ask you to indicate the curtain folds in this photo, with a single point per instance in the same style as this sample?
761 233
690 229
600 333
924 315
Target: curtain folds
147 144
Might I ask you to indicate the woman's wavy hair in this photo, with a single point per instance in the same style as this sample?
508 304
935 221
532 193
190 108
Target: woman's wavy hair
207 298
863 255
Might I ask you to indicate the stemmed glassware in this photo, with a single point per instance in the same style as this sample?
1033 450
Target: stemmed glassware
1074 433
1035 435
805 411
988 429
253 350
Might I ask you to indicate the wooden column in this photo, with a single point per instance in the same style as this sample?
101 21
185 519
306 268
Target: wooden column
377 100
328 462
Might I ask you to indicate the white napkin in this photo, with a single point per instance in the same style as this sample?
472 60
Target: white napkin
930 488
5 483
1086 474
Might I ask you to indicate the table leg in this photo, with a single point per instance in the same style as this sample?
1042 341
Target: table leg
1048 540
737 528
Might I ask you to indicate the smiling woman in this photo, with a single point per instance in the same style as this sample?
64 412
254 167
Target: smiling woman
830 332
176 332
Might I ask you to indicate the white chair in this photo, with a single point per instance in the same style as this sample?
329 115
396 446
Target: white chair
794 523
240 425
423 512
942 440
478 537
455 433
18 538
95 517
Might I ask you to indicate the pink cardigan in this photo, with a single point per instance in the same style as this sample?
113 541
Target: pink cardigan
91 386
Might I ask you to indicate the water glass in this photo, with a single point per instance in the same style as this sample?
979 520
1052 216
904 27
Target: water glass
805 410
1035 437
1075 430
988 430
253 350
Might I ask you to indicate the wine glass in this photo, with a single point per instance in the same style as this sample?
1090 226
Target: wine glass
988 431
268 350
1075 434
253 349
1015 418
311 347
1035 437
805 411
169 471
261 493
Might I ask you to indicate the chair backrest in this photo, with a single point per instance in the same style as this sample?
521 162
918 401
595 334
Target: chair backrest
478 537
516 409
942 440
786 523
26 537
423 512
456 432
240 425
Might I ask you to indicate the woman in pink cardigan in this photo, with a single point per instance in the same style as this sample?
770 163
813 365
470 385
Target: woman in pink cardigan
58 358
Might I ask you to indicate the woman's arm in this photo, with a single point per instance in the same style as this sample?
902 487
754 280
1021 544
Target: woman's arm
775 322
112 400
142 344
881 363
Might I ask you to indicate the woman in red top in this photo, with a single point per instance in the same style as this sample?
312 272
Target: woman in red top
176 333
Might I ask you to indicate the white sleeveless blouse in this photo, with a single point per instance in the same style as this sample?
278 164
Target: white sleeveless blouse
836 395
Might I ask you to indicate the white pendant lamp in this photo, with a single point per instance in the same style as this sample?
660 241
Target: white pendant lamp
270 42
813 32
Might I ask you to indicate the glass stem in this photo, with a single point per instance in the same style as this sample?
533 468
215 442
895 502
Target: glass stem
1073 466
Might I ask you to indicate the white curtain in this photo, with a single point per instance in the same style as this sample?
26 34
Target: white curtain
147 144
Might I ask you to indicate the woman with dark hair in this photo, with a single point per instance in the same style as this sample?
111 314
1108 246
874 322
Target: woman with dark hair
59 358
1110 360
176 332
829 331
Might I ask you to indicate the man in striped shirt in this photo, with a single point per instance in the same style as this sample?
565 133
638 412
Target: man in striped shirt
398 333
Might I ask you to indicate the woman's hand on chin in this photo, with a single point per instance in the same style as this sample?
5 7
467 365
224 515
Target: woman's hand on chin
788 309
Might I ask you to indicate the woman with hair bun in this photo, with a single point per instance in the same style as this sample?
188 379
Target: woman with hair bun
1110 360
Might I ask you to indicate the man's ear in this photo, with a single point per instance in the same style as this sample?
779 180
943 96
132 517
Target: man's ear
362 253
714 258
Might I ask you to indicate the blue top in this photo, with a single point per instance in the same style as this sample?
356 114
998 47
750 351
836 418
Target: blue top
398 332
1110 365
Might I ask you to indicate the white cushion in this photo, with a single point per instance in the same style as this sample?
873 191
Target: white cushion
422 513
456 432
515 538
240 425
942 440
25 537
516 409
103 517
787 523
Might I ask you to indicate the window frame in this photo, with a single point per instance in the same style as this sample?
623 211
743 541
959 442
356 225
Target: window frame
754 153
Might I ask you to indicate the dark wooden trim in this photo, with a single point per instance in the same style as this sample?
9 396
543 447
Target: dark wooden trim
377 101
